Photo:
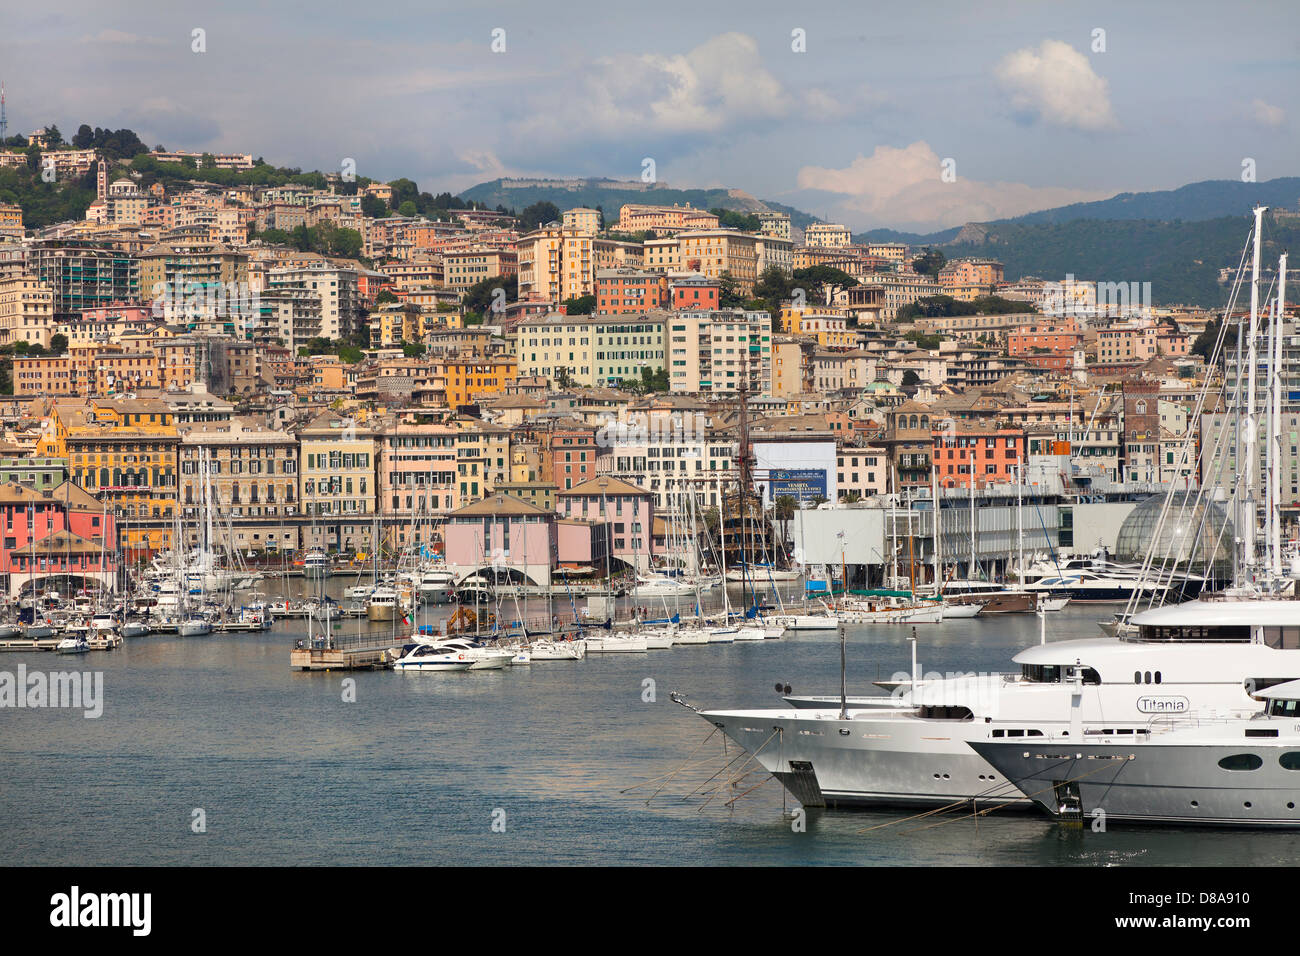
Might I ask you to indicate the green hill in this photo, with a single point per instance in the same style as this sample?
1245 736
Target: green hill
611 194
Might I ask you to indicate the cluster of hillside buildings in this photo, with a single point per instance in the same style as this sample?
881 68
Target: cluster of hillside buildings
180 340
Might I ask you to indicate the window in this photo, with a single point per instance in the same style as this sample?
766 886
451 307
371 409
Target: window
1241 762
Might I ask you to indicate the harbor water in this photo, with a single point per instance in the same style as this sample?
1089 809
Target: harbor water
212 751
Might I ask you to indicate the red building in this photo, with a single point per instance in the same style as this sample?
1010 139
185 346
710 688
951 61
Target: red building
695 292
995 454
629 290
571 454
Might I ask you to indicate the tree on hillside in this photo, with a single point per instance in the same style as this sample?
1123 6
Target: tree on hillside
373 206
480 296
929 262
1204 344
538 214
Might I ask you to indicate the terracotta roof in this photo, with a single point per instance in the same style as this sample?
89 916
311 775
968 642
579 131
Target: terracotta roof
607 485
498 504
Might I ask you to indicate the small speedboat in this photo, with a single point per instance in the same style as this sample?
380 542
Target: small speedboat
134 629
433 657
9 630
72 644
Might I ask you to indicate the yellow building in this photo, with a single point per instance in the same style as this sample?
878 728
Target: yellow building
124 453
482 459
556 263
828 328
468 379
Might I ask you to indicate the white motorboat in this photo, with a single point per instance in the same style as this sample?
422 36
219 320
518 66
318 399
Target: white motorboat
316 564
434 657
969 609
481 658
10 630
1230 769
72 644
1188 660
436 586
358 592
134 629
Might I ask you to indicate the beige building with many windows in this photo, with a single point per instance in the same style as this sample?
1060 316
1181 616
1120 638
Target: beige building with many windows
829 234
26 311
462 269
336 468
254 482
718 352
712 252
556 263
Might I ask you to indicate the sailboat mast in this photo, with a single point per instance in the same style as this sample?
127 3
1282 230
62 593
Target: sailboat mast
1275 373
1251 436
972 514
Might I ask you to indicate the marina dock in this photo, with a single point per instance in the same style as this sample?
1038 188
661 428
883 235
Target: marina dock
353 658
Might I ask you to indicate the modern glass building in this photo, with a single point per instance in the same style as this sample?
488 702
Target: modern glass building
1198 535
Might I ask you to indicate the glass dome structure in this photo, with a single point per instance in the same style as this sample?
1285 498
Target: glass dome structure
1197 534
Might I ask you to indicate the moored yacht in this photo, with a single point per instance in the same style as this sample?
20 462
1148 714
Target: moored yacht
1238 769
1189 659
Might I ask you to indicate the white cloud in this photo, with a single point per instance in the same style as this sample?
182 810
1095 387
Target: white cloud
1267 114
719 84
1055 83
904 188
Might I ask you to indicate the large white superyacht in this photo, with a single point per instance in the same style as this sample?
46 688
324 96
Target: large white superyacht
1198 658
1233 770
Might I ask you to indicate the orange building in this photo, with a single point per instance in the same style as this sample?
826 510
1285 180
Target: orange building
630 290
984 455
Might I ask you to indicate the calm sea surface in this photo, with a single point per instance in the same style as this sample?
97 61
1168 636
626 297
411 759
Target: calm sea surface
419 767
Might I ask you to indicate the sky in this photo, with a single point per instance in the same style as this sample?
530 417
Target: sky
910 116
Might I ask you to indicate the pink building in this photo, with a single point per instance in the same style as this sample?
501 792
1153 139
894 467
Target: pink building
502 534
58 534
417 480
625 509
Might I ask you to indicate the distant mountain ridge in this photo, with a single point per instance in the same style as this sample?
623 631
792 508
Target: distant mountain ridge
1195 202
611 194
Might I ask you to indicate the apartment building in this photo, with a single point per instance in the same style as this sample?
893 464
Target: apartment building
26 311
252 473
463 268
720 352
713 252
638 217
828 234
629 290
555 264
595 350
